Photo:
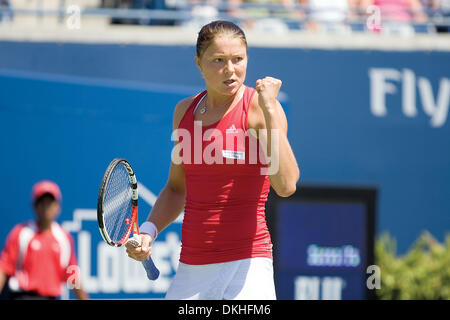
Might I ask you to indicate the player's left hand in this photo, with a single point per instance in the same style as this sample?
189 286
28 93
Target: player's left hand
268 89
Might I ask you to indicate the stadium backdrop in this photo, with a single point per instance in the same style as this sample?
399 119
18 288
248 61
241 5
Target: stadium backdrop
357 118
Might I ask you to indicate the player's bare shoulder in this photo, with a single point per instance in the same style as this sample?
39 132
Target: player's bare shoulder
180 110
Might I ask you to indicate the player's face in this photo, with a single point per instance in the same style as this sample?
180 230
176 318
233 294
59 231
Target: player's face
224 64
47 209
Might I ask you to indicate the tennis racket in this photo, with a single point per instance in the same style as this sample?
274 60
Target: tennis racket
117 209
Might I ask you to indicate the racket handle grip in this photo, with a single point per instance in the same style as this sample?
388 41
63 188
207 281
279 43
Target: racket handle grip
150 268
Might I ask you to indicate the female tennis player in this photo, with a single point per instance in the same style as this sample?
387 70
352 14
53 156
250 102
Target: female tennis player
226 247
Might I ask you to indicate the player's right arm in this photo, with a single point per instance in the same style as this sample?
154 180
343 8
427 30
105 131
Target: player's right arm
171 200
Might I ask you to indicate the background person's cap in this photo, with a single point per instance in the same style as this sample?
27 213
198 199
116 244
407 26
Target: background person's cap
43 187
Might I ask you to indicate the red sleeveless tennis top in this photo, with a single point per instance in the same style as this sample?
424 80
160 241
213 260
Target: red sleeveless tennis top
226 191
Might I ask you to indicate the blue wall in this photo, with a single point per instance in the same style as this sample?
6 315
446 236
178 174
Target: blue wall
67 109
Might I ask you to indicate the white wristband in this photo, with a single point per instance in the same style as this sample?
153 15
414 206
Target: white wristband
149 228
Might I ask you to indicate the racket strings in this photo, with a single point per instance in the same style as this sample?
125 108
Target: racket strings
117 204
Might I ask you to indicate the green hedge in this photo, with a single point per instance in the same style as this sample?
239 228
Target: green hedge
422 273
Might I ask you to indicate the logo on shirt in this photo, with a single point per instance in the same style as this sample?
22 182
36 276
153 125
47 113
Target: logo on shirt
231 129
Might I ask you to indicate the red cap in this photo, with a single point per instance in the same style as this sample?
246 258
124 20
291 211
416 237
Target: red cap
46 186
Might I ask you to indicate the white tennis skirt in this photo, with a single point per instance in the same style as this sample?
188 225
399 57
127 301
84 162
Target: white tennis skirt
247 279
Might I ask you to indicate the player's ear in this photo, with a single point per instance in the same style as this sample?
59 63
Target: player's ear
197 62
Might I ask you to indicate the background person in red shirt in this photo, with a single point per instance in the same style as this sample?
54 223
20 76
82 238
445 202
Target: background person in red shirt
39 256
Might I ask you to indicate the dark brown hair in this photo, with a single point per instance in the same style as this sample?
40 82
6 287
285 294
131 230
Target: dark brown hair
210 31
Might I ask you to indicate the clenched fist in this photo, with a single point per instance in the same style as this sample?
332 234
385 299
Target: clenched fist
267 89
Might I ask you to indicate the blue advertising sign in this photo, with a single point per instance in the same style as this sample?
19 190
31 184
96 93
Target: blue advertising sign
323 245
68 129
107 272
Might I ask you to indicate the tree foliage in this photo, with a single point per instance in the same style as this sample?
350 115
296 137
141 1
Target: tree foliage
422 273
